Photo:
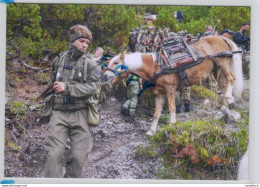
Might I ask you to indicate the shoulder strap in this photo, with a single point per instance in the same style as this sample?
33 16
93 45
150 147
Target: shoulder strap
85 65
60 64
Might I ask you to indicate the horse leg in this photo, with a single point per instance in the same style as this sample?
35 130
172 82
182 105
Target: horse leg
159 101
227 89
172 107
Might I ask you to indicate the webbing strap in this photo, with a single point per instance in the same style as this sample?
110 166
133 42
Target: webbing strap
60 69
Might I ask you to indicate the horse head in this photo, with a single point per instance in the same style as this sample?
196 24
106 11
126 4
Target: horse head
116 70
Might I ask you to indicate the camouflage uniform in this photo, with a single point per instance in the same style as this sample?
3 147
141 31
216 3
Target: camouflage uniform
146 37
69 117
166 32
183 94
130 104
132 40
245 60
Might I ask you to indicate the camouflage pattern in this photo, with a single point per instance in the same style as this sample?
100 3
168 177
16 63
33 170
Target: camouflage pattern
69 116
213 83
166 32
132 99
245 61
182 94
145 47
77 91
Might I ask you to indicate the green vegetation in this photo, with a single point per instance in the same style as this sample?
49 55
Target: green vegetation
34 28
192 149
18 108
203 92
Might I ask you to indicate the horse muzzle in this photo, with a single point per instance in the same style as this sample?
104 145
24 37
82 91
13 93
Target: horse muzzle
107 78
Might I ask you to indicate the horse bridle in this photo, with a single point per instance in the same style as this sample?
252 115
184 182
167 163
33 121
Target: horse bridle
122 66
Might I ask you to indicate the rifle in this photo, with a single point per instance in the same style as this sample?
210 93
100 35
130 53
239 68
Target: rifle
49 90
214 29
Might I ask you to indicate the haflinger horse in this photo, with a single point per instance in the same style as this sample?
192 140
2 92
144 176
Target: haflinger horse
165 85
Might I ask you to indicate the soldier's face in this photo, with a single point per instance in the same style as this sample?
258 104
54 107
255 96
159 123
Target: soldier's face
99 53
245 28
81 44
209 29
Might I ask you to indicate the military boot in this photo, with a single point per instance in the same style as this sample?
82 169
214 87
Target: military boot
178 109
187 108
124 111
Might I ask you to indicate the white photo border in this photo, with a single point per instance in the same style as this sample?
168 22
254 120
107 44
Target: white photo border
254 128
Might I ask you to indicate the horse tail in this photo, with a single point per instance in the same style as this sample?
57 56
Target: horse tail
236 69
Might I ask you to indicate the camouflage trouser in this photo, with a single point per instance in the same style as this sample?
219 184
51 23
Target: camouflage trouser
213 83
61 127
245 62
132 98
141 48
182 94
137 47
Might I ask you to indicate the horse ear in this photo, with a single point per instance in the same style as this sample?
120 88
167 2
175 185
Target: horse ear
123 54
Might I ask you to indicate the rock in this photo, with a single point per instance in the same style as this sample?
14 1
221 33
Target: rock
206 102
235 115
33 107
109 123
112 99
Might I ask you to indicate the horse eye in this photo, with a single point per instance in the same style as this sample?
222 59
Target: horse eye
116 63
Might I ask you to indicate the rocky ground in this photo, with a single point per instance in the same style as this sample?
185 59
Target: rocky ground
115 141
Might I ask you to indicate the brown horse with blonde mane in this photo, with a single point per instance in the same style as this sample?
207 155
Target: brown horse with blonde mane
230 79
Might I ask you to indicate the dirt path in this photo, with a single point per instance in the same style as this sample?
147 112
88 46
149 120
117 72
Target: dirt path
115 141
114 151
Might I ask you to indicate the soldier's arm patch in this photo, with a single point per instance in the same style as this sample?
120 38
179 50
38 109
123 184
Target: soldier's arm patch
97 74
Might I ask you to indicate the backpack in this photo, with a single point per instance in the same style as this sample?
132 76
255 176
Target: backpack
132 39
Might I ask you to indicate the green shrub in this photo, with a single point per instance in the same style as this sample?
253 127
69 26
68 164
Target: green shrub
18 108
203 92
197 147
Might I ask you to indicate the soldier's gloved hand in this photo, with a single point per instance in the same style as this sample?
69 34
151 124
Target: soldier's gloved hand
59 86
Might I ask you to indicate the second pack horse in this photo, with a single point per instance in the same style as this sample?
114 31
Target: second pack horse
213 51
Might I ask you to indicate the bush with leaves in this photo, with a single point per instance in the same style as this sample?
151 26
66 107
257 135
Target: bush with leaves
199 146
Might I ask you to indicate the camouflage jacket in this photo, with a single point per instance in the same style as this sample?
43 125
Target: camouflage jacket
81 76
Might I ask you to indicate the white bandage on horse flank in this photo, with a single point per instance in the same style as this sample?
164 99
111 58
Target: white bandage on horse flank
133 61
243 168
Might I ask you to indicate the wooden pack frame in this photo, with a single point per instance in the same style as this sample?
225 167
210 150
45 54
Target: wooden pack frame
178 52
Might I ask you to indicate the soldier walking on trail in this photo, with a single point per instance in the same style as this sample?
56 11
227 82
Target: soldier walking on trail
146 40
242 42
132 44
76 78
240 37
183 95
134 85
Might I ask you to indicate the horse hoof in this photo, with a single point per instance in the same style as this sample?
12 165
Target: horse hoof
232 106
150 133
227 118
